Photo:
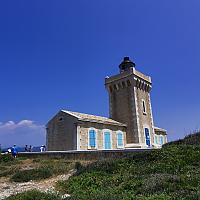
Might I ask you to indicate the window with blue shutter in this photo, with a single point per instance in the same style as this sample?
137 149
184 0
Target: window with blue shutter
147 135
92 138
156 139
107 140
161 140
120 140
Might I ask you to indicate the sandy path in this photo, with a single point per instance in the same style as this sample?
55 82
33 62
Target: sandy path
8 188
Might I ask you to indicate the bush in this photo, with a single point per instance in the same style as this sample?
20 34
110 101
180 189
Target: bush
191 139
169 173
32 174
4 158
34 195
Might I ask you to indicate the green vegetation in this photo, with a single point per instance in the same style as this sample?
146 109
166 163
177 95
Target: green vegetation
24 169
6 158
34 195
8 165
32 174
170 173
46 169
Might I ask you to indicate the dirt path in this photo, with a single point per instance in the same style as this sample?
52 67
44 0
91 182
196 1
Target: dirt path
8 188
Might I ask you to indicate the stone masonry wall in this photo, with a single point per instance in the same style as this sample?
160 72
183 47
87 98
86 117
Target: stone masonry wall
145 119
83 129
61 133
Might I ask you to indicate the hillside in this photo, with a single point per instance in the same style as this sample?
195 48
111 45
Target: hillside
170 173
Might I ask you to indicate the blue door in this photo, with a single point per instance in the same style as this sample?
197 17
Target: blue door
107 140
147 135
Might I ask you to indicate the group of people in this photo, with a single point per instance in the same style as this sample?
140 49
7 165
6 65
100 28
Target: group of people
14 149
28 149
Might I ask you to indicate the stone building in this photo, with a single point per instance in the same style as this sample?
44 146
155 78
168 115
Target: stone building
130 124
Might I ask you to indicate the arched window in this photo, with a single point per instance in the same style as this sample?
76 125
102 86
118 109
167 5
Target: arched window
120 139
147 136
156 139
107 139
161 140
92 138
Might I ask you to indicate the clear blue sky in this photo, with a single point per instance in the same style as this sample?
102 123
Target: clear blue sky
55 54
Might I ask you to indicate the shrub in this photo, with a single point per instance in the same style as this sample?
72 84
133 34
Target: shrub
32 174
169 173
4 158
34 195
191 139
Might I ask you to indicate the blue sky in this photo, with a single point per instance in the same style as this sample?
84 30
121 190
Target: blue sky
55 54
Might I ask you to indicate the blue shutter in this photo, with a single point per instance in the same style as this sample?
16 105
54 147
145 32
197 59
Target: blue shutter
107 140
161 140
156 139
92 138
119 139
147 135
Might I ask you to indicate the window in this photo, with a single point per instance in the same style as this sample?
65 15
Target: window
60 119
92 138
144 106
107 140
110 89
156 139
161 140
147 136
120 139
123 84
128 83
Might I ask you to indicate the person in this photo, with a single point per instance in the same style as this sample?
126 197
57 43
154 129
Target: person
42 148
30 148
26 148
14 151
9 150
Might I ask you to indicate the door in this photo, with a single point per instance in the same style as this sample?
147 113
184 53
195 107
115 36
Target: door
107 140
147 135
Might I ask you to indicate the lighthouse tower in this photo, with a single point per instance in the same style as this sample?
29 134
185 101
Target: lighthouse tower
129 103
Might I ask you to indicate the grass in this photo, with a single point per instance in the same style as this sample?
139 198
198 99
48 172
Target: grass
44 169
23 169
34 195
167 174
170 173
32 174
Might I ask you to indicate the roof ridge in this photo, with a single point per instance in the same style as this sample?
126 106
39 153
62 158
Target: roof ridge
85 116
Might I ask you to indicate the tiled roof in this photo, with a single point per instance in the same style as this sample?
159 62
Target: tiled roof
93 118
159 129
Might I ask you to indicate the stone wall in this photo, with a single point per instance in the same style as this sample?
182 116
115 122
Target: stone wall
127 91
61 133
83 128
84 155
145 119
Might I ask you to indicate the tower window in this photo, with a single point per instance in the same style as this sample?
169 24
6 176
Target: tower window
144 106
128 83
123 84
110 89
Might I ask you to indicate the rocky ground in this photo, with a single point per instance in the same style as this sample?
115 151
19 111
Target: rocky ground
8 188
